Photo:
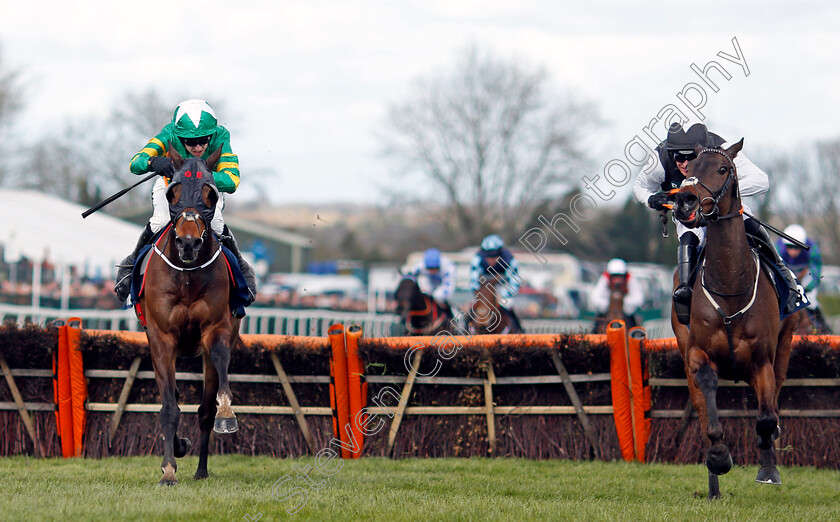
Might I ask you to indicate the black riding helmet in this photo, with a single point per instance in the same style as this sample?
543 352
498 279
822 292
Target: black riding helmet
682 142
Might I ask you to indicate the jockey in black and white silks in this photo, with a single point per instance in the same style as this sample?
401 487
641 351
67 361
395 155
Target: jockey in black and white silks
651 188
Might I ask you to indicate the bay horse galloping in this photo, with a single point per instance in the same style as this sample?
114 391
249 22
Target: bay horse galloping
420 313
186 306
735 331
486 314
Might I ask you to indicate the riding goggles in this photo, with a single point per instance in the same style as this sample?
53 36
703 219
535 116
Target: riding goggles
683 155
195 142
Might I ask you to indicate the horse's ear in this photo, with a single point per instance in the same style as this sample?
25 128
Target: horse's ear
735 149
213 159
176 158
698 149
173 194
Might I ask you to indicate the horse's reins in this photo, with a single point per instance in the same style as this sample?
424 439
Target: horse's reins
181 268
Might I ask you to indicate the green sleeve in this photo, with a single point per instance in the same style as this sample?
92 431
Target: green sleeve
227 170
156 147
815 267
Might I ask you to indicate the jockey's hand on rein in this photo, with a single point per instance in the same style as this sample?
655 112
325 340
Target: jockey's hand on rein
162 166
659 200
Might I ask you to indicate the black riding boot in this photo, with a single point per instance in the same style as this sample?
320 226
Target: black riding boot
757 231
126 266
230 242
686 261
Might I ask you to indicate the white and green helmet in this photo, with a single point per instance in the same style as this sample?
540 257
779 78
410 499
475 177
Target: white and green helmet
193 119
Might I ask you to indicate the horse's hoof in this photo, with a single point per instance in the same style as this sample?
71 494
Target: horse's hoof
719 460
168 482
183 448
769 475
201 475
226 425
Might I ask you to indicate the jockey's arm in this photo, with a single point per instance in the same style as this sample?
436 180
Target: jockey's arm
155 148
649 183
475 272
227 169
815 267
447 284
752 181
512 280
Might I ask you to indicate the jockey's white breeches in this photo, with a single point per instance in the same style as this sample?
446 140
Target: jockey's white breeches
160 209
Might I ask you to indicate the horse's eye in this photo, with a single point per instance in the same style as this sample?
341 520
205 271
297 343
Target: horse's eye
723 170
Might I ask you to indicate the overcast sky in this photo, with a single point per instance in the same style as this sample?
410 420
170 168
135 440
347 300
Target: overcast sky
306 84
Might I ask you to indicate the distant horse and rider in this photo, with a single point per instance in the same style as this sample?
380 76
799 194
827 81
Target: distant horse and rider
486 314
737 327
186 304
802 255
419 313
495 280
615 296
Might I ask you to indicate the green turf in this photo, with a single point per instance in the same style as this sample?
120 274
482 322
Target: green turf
413 489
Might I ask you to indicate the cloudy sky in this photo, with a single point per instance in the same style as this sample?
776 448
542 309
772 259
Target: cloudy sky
306 84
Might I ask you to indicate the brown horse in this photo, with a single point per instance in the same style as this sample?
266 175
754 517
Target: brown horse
615 309
186 306
420 313
734 330
486 314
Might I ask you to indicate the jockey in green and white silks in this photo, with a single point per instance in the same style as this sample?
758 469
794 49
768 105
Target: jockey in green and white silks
193 119
652 188
193 132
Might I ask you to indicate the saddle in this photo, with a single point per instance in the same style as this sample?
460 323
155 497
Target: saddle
239 295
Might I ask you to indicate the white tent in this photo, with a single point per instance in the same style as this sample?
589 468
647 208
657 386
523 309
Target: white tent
44 227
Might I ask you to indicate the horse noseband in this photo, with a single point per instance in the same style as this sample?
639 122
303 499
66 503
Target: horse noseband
193 216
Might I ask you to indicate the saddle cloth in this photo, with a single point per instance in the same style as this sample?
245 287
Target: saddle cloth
768 264
239 295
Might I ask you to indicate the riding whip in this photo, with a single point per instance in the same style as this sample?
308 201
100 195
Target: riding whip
118 195
778 232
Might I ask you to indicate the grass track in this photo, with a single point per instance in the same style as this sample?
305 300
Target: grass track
412 489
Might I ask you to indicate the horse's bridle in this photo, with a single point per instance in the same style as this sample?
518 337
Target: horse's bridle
173 223
715 197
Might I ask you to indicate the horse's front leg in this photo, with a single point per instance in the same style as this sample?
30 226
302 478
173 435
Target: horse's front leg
225 421
767 425
704 394
206 415
164 364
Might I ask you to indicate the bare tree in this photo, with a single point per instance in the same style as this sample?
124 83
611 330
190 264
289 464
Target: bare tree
807 184
490 140
88 159
825 198
11 102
